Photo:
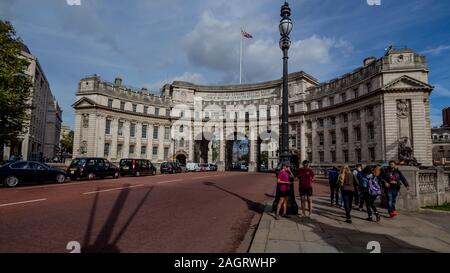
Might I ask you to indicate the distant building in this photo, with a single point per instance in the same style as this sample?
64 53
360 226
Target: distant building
441 140
446 117
41 137
65 131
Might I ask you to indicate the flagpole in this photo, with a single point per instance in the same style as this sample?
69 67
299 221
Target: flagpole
240 62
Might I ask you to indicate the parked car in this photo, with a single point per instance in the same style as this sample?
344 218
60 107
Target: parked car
203 167
91 168
244 167
170 167
192 167
136 167
13 173
183 168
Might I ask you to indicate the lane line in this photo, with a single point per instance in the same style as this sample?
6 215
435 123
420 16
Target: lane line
169 181
23 202
114 189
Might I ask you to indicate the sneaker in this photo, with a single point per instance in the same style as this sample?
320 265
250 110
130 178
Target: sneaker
348 221
378 217
392 214
285 216
395 213
369 219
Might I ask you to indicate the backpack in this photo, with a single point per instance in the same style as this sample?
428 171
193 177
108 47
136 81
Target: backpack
374 188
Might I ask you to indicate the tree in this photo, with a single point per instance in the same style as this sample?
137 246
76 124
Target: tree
67 143
15 86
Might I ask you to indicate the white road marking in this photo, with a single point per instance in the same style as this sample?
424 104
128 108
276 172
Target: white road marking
23 202
114 189
169 181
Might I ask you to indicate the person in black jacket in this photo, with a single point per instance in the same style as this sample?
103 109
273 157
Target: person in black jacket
393 178
333 175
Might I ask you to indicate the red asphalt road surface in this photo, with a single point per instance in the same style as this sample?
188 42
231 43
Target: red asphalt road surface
188 212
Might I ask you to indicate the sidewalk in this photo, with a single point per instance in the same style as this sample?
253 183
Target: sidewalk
326 232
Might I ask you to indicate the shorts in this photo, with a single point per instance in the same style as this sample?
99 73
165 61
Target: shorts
305 191
284 193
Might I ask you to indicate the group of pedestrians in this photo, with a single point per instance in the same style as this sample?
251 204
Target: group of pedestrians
360 186
363 186
286 178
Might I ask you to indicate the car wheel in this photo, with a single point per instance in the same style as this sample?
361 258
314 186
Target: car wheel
137 174
91 176
116 175
60 178
153 172
11 181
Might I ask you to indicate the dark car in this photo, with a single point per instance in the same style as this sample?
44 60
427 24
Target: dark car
136 167
170 167
13 173
91 167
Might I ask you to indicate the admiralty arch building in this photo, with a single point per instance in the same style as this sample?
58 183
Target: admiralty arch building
366 116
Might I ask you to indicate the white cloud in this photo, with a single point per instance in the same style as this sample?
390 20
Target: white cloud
214 44
440 91
437 50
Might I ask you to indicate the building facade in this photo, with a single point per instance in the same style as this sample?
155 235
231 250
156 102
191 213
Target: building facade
41 137
365 116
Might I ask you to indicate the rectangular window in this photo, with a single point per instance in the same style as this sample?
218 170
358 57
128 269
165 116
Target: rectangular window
134 107
155 132
120 128
197 115
143 150
333 137
319 104
321 139
155 151
108 127
167 112
122 105
370 111
110 103
358 155
144 131
370 131
357 115
166 133
309 124
132 130
308 107
320 121
333 121
345 152
106 154
331 101
344 117
292 109
333 156
145 109
131 150
119 150
156 111
358 133
166 153
344 135
321 156
343 97
372 154
356 92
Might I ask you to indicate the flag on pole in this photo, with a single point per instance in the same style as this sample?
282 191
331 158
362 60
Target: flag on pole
246 34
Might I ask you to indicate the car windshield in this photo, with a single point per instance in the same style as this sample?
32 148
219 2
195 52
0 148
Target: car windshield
78 162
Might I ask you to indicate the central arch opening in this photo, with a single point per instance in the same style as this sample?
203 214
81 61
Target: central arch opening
237 153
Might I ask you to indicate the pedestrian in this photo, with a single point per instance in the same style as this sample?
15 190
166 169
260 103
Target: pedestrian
283 185
393 178
371 189
333 175
359 197
348 186
306 178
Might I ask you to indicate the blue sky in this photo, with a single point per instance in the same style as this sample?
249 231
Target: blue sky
151 42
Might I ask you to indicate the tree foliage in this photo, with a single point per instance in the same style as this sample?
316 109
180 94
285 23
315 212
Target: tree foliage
15 86
67 143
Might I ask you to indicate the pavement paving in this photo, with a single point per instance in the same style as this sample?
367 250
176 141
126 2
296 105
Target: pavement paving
206 212
327 232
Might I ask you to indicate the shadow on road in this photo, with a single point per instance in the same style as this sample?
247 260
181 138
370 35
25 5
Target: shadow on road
105 241
254 206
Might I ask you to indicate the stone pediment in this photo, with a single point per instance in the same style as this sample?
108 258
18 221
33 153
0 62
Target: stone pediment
407 83
83 103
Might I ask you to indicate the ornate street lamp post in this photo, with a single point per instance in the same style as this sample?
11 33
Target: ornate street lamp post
285 28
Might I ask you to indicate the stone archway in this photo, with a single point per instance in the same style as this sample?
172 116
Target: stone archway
181 158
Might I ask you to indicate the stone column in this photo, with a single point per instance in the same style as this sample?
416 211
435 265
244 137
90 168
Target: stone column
126 139
191 143
76 137
138 135
222 144
315 142
364 139
303 140
161 143
114 126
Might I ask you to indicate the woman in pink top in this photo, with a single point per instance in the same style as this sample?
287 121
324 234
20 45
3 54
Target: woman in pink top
283 187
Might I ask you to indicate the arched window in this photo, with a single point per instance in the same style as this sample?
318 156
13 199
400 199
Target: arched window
181 143
181 129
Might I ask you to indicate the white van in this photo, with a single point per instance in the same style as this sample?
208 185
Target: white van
192 167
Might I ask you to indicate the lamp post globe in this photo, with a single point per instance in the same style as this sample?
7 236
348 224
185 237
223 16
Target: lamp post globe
285 28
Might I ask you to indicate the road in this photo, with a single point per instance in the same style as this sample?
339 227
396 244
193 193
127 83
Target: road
188 212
